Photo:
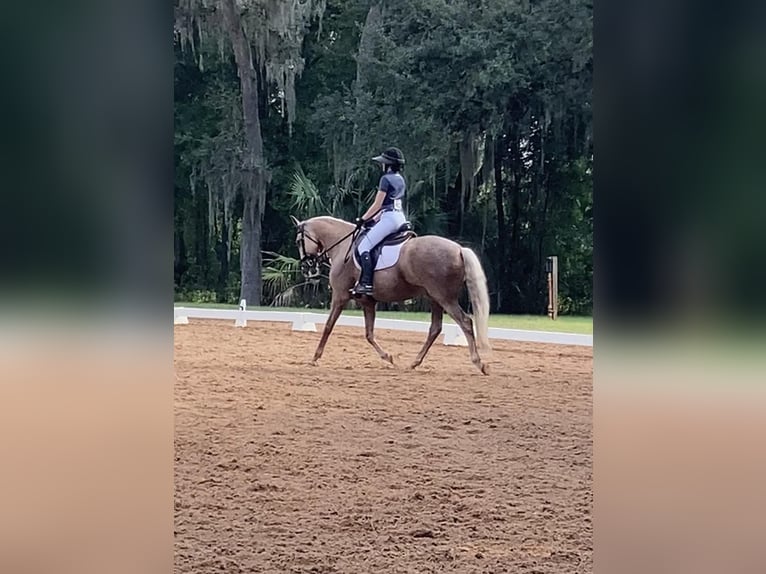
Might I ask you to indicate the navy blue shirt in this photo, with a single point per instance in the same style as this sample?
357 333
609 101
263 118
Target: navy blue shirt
394 186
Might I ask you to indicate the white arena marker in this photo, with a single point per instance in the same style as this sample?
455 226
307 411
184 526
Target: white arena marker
179 316
301 323
453 335
241 320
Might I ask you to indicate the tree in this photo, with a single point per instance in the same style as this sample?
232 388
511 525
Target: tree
490 101
483 96
265 37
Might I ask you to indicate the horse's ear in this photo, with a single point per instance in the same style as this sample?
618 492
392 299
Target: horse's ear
295 221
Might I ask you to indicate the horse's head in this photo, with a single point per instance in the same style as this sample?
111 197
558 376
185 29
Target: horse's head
309 249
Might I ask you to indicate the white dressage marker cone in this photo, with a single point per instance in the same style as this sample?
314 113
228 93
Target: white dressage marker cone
300 323
179 316
241 321
453 335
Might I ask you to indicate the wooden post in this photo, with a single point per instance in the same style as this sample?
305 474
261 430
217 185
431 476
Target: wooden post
552 270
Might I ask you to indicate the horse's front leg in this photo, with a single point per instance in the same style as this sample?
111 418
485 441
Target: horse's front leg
369 327
335 310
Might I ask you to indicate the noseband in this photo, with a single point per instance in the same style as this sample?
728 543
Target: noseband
307 261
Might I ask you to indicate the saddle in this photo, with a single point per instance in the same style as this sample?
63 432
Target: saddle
401 235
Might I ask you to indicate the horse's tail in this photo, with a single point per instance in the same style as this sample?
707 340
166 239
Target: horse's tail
476 282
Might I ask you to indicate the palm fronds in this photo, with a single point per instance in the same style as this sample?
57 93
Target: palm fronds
280 272
306 197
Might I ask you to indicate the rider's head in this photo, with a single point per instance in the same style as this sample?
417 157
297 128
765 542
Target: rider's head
391 159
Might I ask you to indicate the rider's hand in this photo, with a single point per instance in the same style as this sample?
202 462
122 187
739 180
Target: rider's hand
359 222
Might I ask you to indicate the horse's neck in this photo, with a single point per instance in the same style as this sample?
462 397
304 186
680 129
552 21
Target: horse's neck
331 231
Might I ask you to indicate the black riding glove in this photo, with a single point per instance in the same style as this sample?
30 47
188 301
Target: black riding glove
359 222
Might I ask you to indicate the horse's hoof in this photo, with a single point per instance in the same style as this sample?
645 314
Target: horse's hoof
389 358
413 366
314 363
485 369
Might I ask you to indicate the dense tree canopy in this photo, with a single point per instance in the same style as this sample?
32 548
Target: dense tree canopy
490 100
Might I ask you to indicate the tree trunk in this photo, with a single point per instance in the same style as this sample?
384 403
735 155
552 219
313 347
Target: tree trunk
250 253
181 263
514 268
223 262
515 195
502 238
254 182
202 240
364 55
451 205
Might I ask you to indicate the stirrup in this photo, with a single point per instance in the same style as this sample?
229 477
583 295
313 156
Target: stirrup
362 289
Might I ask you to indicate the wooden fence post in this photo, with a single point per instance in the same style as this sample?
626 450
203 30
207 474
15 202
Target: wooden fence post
552 270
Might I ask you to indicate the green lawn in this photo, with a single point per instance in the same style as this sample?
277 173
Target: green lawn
564 324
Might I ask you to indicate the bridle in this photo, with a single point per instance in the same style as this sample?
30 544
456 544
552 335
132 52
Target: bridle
322 257
313 261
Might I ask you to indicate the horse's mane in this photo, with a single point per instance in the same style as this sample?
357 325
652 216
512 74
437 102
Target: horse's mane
331 219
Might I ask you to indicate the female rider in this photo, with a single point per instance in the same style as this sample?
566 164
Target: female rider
387 207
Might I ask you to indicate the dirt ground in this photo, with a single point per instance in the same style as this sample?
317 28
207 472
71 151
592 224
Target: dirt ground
357 466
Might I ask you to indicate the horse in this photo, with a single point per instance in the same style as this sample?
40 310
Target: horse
427 265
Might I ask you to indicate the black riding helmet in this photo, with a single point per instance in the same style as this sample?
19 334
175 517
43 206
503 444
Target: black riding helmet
392 156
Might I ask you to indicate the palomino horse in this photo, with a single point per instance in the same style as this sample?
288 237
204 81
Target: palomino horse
428 265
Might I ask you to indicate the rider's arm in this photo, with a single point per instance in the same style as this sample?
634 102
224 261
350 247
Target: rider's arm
376 205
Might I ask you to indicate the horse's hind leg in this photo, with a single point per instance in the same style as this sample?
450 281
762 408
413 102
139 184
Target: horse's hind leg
466 324
437 314
369 327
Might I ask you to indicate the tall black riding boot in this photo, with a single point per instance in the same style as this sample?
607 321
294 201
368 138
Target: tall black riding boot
364 286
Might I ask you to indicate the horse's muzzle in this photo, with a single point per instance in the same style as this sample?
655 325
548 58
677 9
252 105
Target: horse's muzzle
310 267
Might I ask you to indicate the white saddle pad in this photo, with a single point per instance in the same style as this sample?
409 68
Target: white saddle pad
388 257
